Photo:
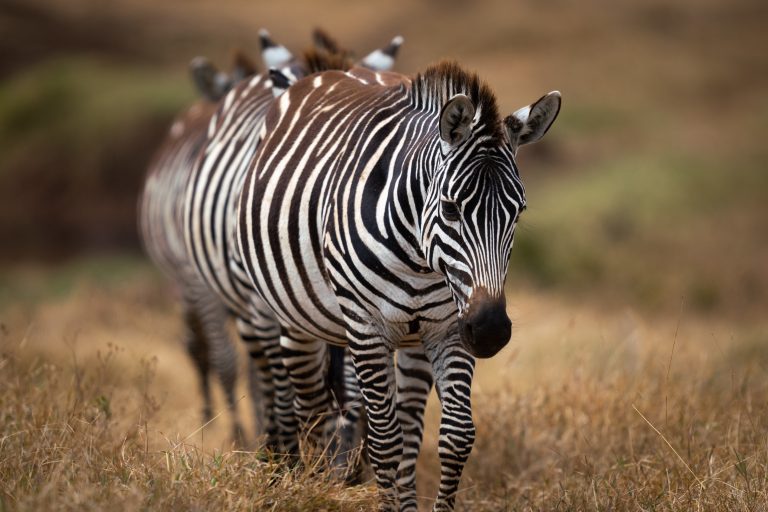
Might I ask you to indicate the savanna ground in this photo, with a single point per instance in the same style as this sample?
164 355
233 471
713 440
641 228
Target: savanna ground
591 407
636 377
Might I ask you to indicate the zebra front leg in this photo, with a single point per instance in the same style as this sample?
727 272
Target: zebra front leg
374 368
262 342
305 360
414 382
453 369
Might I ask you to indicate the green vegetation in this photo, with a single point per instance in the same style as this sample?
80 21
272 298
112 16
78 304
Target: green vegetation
30 284
629 223
79 106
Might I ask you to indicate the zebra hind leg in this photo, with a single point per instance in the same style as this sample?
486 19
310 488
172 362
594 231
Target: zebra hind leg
350 429
305 360
271 391
196 345
223 358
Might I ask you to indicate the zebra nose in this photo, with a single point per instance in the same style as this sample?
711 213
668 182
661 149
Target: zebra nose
486 328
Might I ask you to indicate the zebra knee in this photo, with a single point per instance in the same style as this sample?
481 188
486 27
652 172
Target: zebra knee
455 445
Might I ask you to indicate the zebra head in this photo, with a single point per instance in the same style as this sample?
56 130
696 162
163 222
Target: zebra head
474 202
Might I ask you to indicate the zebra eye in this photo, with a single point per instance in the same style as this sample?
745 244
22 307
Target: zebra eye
451 211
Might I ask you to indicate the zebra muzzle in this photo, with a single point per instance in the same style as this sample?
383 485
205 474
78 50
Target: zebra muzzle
486 328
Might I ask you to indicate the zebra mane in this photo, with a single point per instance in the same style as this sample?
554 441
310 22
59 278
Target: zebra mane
431 89
318 60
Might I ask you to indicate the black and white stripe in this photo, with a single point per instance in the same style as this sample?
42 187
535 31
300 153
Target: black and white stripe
208 221
379 213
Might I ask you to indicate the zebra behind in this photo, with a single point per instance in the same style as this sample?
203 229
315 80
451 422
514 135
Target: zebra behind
380 213
208 220
160 227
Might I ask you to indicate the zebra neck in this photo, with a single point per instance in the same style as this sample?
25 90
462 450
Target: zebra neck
413 176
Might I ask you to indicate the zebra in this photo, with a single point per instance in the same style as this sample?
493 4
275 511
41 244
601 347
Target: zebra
159 221
379 214
208 213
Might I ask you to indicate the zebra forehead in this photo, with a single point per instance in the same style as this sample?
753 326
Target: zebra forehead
488 176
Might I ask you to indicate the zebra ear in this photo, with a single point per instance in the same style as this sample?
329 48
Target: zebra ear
273 54
530 123
383 59
456 120
210 82
323 41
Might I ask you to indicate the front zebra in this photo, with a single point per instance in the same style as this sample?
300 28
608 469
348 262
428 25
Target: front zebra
380 213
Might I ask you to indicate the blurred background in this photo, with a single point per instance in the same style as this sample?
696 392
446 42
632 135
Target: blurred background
651 185
646 234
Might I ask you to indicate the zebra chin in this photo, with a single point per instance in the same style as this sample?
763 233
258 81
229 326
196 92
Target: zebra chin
485 329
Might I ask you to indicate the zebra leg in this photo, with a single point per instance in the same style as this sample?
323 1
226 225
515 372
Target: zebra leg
374 368
351 427
414 382
305 359
197 348
222 356
261 338
257 370
453 369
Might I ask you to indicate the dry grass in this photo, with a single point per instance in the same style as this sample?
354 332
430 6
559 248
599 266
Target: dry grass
693 441
88 424
594 408
589 408
80 438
